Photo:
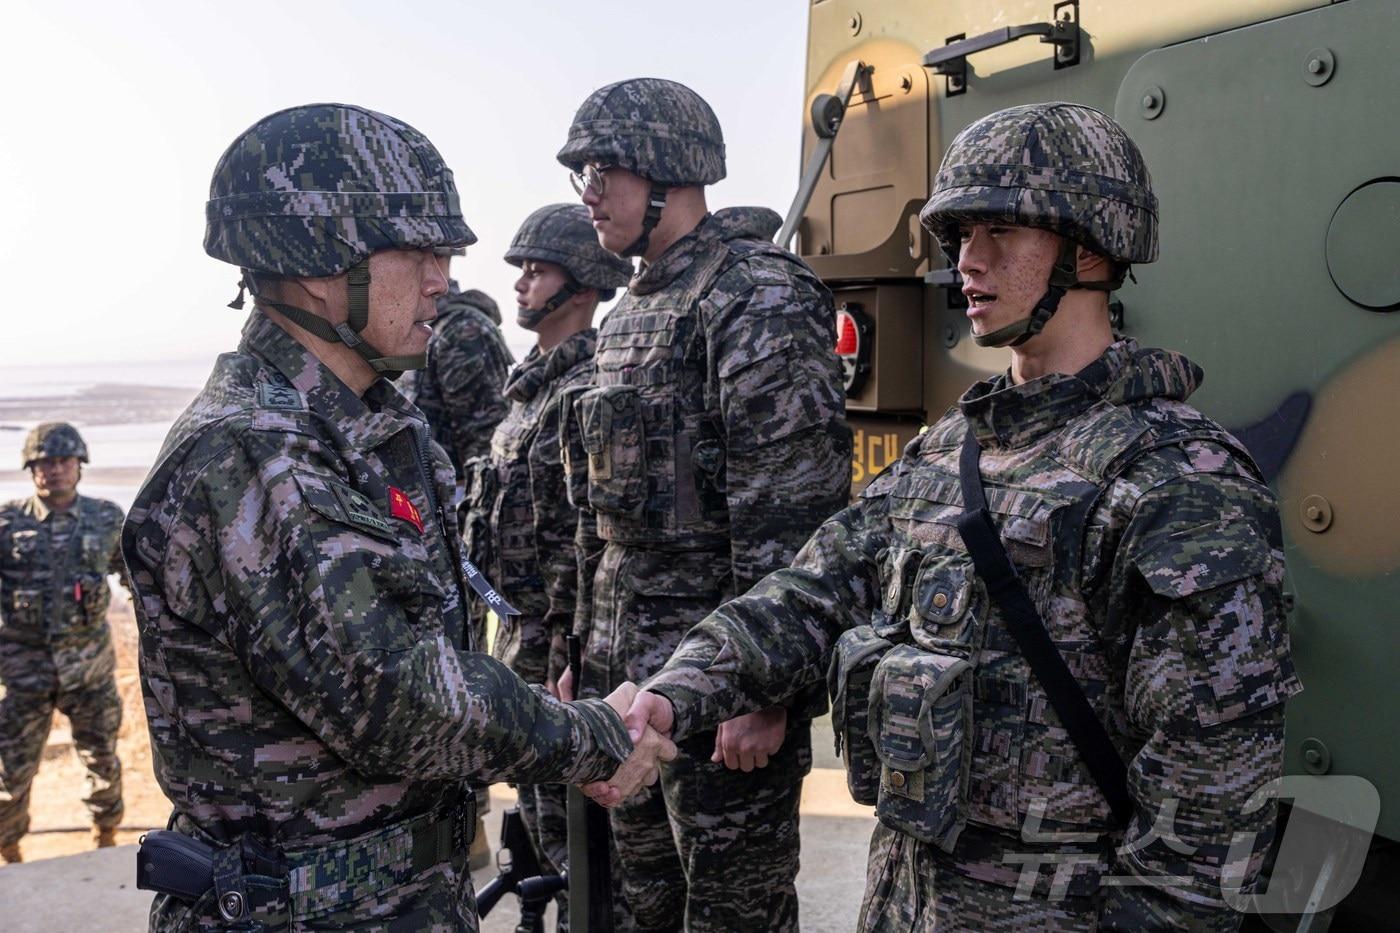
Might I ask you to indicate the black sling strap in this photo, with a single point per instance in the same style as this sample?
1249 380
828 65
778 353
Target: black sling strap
1067 698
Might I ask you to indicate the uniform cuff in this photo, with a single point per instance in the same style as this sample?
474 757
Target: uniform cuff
601 741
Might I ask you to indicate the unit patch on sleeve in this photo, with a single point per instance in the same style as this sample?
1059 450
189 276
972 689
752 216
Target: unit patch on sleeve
400 506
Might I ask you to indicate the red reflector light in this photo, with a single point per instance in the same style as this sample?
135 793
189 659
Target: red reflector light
846 338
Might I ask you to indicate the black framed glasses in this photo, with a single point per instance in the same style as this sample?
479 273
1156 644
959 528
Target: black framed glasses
590 179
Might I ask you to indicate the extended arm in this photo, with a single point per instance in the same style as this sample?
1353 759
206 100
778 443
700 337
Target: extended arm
347 632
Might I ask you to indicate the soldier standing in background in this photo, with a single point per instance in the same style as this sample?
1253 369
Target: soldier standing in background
1094 778
56 550
715 444
459 390
315 709
521 525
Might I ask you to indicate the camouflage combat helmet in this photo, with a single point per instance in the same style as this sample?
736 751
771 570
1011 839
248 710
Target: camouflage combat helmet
53 439
658 129
759 223
314 190
1061 167
562 234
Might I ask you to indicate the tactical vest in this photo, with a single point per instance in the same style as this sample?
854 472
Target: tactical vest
57 599
939 718
500 500
651 429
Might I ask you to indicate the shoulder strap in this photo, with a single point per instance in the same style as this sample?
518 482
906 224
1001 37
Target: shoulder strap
1067 698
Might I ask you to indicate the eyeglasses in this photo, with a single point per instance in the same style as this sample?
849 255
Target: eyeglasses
591 179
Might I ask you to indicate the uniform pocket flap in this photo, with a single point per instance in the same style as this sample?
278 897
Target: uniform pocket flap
1022 515
904 703
766 343
1203 558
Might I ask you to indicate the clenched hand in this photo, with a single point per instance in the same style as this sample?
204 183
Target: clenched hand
746 742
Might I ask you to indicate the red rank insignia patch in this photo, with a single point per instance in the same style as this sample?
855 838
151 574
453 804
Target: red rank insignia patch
400 506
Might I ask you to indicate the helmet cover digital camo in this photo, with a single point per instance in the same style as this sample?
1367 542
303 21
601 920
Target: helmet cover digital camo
53 439
563 234
1062 167
759 223
312 190
658 129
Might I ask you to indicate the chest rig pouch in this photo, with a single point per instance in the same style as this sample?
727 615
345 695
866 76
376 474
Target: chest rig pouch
931 704
650 431
613 435
572 453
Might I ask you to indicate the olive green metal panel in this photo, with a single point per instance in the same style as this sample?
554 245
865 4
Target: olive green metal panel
1280 221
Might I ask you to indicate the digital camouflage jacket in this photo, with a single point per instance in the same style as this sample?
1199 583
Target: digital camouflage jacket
521 526
302 630
460 388
53 584
1153 552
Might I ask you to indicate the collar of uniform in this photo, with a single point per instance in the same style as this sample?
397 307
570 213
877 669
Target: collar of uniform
1005 414
37 509
365 422
654 276
538 369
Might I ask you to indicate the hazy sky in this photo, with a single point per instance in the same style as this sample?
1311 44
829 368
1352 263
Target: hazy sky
117 112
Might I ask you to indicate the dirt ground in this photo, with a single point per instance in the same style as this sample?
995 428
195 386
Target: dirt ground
58 820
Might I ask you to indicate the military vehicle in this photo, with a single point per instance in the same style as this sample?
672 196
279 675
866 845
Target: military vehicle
1268 127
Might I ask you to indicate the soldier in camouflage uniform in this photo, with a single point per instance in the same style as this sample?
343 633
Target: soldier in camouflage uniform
713 444
56 550
521 526
460 389
314 705
1144 535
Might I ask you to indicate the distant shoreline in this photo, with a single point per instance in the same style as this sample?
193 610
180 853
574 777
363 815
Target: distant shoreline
97 404
105 476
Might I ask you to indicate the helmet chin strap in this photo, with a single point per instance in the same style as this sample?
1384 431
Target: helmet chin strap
656 202
529 317
357 286
1063 276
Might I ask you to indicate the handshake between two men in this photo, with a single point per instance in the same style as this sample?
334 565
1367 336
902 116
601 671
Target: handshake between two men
743 743
649 718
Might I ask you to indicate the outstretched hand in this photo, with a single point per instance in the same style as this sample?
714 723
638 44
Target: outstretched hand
649 719
746 742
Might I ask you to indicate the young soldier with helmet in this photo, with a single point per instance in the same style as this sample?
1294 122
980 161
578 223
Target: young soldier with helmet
520 524
713 444
56 550
314 704
1054 630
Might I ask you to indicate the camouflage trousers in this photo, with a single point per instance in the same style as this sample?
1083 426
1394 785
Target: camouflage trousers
910 888
707 848
31 688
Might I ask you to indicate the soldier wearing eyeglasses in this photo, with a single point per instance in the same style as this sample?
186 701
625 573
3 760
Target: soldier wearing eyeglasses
714 442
